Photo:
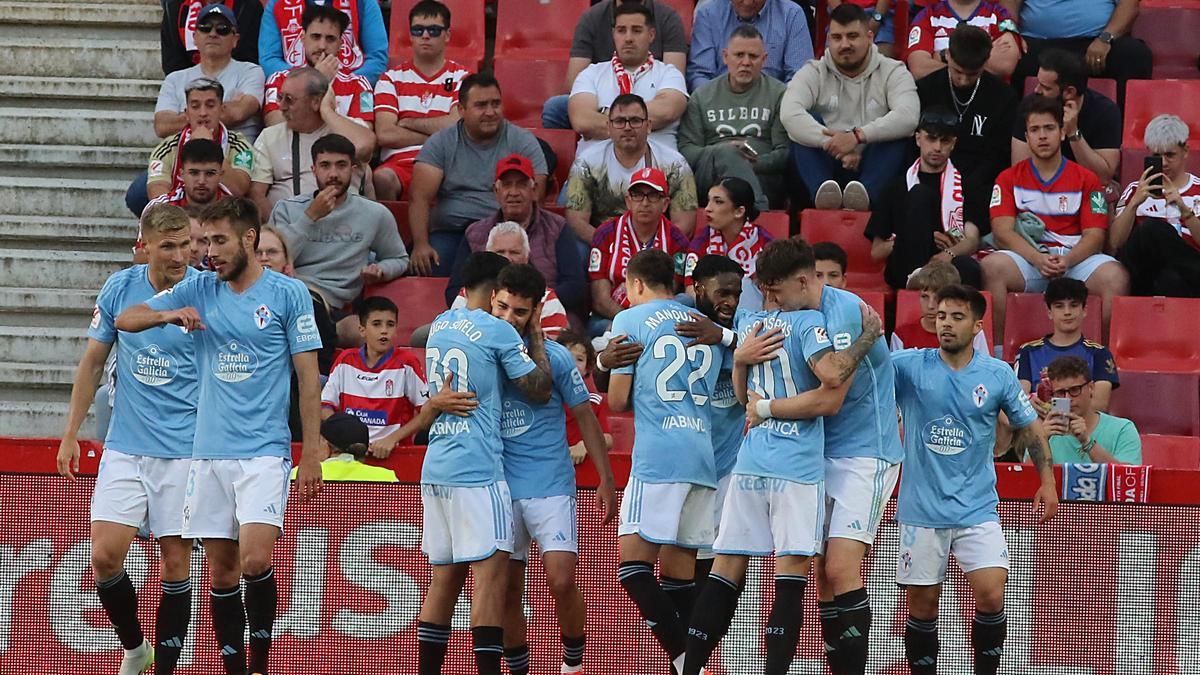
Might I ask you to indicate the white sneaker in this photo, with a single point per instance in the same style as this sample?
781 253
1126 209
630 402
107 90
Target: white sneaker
137 660
855 197
829 196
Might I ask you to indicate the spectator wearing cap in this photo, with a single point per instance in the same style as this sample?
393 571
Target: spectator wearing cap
732 128
631 70
593 43
643 225
349 441
364 48
320 39
203 164
983 103
849 115
456 167
416 99
935 26
1085 435
203 113
781 24
241 81
282 166
1155 230
178 34
1091 120
552 247
927 216
596 190
1097 31
339 241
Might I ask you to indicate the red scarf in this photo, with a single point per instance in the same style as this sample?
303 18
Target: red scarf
624 80
287 17
744 249
189 11
222 139
625 240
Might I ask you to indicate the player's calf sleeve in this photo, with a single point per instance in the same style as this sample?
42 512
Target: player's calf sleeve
783 624
715 608
831 630
119 600
517 660
229 624
174 612
573 650
431 647
637 578
921 646
262 596
488 642
854 610
683 595
987 637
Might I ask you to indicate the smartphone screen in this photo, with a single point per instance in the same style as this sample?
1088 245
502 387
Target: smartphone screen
1155 164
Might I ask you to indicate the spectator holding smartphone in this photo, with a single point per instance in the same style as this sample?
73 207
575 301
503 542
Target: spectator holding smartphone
1084 434
1153 233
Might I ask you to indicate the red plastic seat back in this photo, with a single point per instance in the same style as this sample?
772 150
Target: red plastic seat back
1156 334
1159 403
845 228
563 141
621 428
526 85
1147 99
536 29
1171 452
420 300
1170 32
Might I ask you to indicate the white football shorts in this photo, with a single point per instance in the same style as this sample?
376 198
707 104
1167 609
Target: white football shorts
856 491
224 494
765 516
925 551
141 491
464 524
678 514
550 521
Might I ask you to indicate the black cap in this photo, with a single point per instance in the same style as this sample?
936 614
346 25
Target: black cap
939 121
343 430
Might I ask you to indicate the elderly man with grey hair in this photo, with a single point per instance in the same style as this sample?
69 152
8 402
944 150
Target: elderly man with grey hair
281 166
1155 230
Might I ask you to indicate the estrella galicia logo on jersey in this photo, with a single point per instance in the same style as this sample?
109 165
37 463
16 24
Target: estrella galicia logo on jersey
306 328
515 419
946 436
234 362
979 395
153 366
262 316
723 396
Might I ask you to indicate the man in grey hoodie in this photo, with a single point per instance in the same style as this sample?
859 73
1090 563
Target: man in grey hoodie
332 233
850 115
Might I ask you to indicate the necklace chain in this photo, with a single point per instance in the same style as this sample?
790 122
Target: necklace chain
959 106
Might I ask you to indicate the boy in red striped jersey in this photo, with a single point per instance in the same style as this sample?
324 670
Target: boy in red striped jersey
381 385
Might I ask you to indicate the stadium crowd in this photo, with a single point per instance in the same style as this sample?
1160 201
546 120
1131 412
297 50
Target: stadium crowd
972 156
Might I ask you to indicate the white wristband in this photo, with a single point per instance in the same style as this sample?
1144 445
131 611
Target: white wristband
600 366
727 337
763 408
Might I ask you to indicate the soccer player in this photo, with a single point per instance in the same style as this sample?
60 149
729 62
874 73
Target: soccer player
541 477
669 501
468 517
251 327
776 500
950 398
149 444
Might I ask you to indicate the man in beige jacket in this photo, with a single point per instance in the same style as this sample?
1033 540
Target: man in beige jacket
850 115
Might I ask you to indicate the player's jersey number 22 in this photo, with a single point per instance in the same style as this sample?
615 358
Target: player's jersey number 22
672 350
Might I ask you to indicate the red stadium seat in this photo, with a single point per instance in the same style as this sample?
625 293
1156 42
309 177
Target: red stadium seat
563 142
908 310
1147 99
536 29
687 12
776 223
1026 320
876 299
466 45
400 213
527 85
621 428
420 300
845 228
1170 32
1159 403
1101 85
1171 452
1156 334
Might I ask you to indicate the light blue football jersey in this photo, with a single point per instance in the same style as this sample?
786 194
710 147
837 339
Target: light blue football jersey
672 391
866 426
537 460
949 479
478 349
789 449
244 357
157 389
728 419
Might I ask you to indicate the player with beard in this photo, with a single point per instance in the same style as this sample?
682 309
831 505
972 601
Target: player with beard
251 327
950 398
149 444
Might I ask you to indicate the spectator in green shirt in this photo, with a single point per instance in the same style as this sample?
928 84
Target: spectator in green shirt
348 439
1086 435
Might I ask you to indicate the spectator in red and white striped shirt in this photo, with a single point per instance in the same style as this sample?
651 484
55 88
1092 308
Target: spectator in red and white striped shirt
416 99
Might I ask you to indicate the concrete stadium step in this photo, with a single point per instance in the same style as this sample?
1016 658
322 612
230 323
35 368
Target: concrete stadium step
22 344
48 307
44 196
39 419
62 232
37 375
70 57
78 14
94 90
103 158
83 270
73 126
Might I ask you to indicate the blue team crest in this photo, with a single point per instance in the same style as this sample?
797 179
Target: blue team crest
262 317
979 395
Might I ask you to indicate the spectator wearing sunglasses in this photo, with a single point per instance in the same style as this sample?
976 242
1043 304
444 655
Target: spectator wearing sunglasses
1085 435
242 82
364 48
416 99
178 37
